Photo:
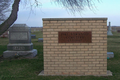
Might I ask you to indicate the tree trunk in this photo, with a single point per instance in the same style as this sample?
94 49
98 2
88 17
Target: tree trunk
11 19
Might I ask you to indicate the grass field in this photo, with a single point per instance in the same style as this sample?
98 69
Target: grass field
28 69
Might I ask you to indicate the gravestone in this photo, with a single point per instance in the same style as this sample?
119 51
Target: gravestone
110 55
40 39
33 36
20 42
109 30
118 31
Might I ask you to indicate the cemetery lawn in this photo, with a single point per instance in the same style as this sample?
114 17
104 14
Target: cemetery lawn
28 69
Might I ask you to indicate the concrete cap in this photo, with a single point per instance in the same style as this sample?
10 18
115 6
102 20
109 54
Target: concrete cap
19 25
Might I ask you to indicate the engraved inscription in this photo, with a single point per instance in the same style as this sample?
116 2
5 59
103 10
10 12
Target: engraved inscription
18 48
74 37
18 36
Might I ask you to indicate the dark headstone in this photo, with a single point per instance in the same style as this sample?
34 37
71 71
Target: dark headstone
40 39
33 36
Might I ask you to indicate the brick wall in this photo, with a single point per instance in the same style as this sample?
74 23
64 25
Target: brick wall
75 58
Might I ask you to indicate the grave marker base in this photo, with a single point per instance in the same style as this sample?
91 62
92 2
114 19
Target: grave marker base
109 33
25 54
109 73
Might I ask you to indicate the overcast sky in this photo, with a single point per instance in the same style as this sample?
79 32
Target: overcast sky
105 8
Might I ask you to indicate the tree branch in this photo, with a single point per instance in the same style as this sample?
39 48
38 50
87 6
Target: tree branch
11 19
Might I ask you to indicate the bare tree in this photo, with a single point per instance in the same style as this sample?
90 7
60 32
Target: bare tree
4 8
72 5
76 5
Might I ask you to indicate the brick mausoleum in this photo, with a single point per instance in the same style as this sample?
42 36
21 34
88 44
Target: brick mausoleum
85 57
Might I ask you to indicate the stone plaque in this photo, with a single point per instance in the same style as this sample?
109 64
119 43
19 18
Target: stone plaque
19 47
18 36
75 37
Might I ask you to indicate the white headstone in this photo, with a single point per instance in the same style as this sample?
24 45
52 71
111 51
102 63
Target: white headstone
109 30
